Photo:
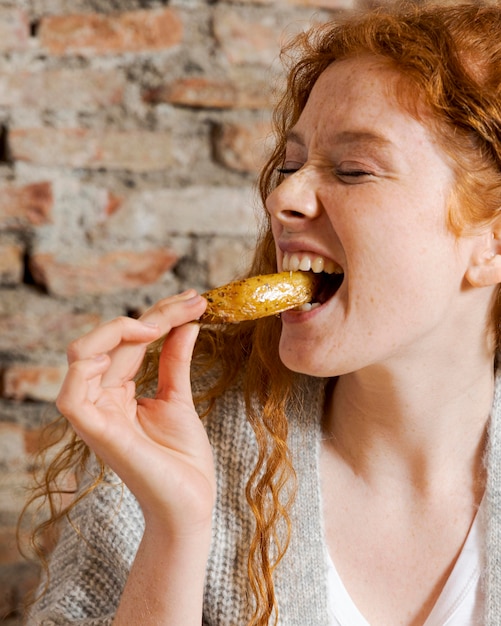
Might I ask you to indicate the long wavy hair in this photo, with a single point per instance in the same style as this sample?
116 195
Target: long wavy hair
449 60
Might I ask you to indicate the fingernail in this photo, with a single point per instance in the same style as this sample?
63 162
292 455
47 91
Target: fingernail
187 295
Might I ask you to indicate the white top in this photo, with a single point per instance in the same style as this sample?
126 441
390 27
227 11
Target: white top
461 602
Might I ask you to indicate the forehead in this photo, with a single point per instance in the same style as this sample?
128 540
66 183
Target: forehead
362 99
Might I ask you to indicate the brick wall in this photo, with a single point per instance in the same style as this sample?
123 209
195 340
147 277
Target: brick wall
130 136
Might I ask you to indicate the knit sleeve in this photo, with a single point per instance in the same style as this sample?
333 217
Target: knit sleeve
91 561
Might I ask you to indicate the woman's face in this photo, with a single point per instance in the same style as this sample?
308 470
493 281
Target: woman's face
366 189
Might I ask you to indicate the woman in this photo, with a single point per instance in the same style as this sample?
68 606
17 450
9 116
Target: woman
347 470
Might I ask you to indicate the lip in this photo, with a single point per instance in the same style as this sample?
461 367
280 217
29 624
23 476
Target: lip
297 317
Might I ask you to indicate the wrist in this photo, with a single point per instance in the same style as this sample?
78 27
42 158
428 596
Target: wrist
182 535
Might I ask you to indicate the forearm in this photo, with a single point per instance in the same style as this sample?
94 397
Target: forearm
166 581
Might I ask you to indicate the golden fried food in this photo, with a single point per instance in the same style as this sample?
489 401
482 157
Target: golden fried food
259 296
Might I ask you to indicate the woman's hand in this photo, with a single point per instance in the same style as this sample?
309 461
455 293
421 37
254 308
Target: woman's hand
158 446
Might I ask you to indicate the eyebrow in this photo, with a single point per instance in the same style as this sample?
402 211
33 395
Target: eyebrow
347 137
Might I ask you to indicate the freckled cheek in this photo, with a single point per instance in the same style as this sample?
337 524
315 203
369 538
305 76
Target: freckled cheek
384 270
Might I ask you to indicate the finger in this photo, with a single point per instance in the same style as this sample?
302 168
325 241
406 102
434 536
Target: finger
175 361
147 328
108 336
73 400
165 315
175 310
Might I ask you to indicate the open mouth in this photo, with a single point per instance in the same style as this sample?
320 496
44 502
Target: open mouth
326 285
329 276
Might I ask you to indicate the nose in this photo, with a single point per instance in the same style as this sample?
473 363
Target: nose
295 202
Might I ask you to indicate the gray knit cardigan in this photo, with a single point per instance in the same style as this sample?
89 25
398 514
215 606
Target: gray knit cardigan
88 568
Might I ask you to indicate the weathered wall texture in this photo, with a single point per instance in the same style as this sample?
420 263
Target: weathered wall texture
130 136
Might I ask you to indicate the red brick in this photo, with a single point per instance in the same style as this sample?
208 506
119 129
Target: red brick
62 89
135 150
28 204
194 209
101 273
246 39
9 552
11 263
13 493
113 203
14 30
16 581
242 147
33 382
206 92
97 34
327 4
32 440
38 327
37 438
228 259
12 445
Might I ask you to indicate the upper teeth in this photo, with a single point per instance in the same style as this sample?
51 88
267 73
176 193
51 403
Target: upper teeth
306 262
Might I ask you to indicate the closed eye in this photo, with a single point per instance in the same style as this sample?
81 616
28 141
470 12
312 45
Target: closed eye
290 166
287 171
353 176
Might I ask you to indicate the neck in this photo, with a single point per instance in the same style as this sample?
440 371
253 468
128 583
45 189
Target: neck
410 425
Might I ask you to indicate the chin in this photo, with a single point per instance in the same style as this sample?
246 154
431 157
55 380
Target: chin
301 362
305 359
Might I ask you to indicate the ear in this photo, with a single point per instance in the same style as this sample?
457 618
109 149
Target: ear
485 265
